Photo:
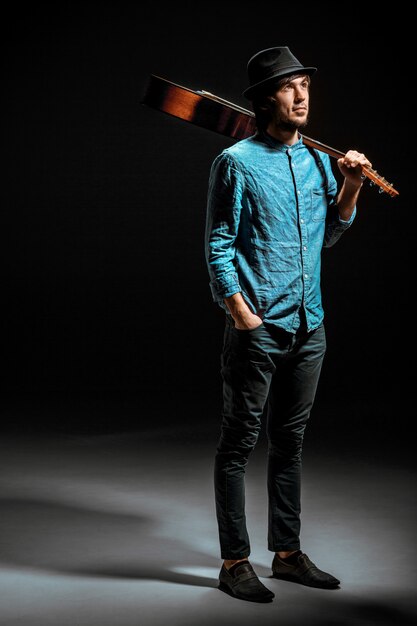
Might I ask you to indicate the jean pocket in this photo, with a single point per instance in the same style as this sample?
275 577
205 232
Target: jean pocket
248 331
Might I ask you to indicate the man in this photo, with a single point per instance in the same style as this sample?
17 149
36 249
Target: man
272 205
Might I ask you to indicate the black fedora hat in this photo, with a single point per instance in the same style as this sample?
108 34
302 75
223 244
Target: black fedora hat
270 64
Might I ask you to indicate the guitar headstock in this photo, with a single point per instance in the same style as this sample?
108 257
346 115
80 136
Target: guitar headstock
377 179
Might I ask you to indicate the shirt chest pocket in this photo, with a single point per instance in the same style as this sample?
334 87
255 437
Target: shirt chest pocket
318 200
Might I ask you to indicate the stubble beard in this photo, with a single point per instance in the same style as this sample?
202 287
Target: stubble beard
291 125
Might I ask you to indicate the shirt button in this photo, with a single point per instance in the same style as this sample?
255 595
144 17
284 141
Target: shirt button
305 275
302 221
304 247
298 192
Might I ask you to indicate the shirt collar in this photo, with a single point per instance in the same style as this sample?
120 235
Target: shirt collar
265 137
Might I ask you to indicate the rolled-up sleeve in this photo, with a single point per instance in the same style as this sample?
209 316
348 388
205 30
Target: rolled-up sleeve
224 203
336 226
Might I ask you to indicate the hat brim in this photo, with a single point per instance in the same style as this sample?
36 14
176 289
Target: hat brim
296 69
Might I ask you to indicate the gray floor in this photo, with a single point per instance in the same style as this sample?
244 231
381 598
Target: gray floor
119 530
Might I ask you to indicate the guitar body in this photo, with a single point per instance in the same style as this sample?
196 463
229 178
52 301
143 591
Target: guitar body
198 109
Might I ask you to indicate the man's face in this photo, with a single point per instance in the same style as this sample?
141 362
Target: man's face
290 103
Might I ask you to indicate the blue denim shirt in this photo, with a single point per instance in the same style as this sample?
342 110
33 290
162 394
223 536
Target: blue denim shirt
270 210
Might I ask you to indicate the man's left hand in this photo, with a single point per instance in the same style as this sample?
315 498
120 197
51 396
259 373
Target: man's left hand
350 166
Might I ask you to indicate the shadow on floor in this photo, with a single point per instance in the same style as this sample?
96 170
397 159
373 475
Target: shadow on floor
73 540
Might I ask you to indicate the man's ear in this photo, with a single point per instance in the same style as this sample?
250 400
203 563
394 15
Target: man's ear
266 103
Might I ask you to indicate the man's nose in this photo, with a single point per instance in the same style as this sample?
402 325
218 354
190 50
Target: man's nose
300 95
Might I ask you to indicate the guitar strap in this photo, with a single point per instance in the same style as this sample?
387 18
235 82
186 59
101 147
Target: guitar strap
316 155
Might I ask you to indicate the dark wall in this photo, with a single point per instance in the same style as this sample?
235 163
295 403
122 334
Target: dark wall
106 298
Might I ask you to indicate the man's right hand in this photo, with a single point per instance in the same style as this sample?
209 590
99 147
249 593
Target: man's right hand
248 323
242 316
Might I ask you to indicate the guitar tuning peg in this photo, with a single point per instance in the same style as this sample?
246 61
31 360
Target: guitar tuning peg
380 190
371 183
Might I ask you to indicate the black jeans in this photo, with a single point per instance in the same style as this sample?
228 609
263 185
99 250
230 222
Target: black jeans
264 370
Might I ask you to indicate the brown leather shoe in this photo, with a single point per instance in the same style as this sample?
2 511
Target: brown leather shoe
304 572
242 582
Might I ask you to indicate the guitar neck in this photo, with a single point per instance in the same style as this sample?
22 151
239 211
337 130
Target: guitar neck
367 171
313 143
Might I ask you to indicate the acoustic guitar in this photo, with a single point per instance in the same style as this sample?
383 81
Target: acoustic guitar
205 109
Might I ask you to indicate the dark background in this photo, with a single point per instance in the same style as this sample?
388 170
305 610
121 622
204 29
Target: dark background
108 322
